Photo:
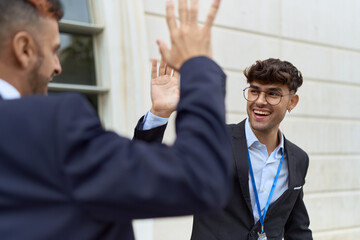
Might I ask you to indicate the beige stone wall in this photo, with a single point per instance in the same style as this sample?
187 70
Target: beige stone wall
321 38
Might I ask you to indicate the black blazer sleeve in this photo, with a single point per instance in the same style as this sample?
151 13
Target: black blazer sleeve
152 135
297 225
113 178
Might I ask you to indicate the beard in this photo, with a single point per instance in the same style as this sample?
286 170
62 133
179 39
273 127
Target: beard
38 82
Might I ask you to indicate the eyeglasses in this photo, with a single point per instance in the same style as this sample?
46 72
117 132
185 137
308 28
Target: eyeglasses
272 97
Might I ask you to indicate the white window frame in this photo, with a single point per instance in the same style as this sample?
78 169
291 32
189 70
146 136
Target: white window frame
68 26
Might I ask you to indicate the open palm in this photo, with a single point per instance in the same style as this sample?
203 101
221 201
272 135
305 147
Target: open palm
165 90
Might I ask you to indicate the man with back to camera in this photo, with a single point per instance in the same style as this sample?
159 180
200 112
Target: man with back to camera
63 176
269 170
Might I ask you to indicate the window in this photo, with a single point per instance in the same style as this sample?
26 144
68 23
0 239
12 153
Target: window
77 52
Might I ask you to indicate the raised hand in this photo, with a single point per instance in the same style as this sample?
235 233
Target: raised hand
165 90
189 39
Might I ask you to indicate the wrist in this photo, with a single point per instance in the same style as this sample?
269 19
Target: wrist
161 113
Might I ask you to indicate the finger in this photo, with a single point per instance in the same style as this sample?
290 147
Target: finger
183 12
162 67
170 15
176 75
193 16
212 14
165 52
154 68
168 70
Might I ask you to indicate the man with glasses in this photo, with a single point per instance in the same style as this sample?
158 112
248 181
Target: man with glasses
267 200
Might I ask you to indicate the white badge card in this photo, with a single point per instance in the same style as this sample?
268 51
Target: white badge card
262 236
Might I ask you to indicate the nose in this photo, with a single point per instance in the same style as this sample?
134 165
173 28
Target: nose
58 68
261 99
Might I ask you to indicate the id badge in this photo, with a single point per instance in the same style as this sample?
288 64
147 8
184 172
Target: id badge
262 236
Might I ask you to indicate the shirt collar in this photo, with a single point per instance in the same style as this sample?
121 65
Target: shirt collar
251 139
7 91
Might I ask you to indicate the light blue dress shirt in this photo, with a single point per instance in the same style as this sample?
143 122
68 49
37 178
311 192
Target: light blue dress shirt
152 121
265 168
7 91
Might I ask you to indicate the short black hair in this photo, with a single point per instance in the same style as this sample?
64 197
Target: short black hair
274 71
17 15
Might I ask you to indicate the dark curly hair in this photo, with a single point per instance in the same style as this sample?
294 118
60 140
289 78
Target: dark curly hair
274 71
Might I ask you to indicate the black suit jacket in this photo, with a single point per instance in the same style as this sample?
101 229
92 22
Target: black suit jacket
62 176
287 216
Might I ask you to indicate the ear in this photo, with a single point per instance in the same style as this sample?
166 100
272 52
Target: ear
25 49
293 102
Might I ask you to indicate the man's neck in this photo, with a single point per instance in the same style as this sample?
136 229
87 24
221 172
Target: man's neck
11 76
269 138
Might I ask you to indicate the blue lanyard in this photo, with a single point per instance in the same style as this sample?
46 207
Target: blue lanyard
262 217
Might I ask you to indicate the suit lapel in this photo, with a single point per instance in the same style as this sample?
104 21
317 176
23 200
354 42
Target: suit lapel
241 163
291 161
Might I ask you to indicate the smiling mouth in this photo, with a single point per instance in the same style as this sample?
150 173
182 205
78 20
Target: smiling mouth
261 113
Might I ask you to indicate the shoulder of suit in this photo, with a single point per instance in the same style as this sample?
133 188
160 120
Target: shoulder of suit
41 101
294 149
298 156
54 97
237 129
67 96
71 99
